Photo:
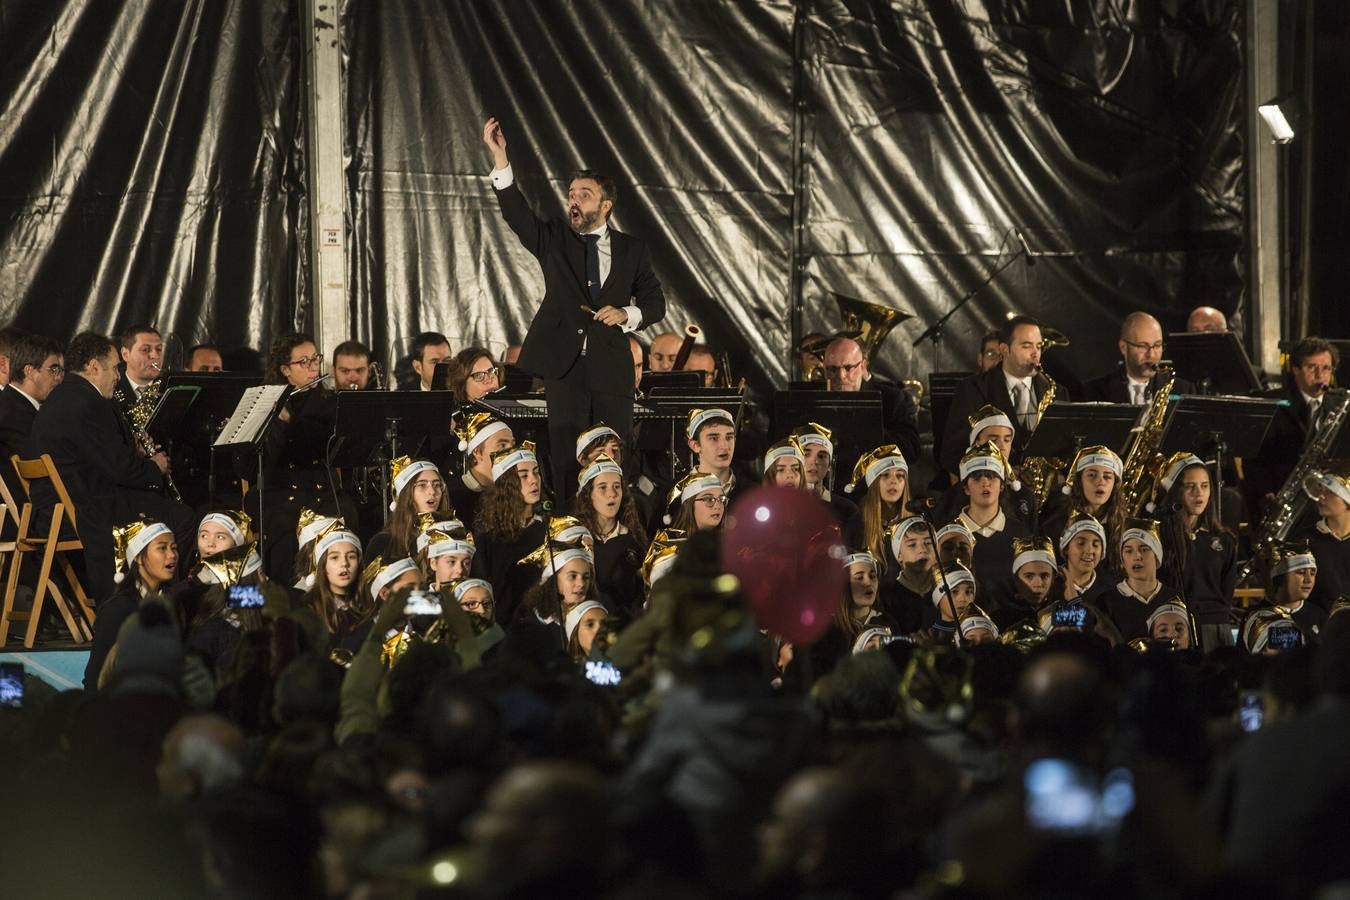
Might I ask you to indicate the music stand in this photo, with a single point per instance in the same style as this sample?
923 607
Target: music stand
1222 426
941 392
374 427
247 427
670 406
853 416
214 397
684 381
1066 428
1214 361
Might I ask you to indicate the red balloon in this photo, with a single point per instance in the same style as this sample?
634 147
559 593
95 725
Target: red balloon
784 546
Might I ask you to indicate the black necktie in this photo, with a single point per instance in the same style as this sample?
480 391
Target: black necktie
593 265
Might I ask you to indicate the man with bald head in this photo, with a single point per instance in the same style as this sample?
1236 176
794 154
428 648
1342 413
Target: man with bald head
847 369
1206 318
1136 379
665 347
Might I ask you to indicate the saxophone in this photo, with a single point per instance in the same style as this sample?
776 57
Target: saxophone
1144 463
1037 471
1294 494
138 414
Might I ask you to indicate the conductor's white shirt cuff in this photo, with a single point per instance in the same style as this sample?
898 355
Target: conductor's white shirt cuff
503 178
634 319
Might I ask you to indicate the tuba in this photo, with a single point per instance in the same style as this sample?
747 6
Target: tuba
866 323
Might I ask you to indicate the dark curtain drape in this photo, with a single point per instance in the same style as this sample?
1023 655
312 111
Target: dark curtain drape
1108 132
151 167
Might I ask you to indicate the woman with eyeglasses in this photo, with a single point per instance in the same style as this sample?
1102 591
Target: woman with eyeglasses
295 472
473 374
417 488
697 502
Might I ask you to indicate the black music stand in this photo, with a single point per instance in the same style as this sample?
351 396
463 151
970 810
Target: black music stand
941 392
683 381
853 416
1222 426
214 395
669 407
1066 428
257 409
374 427
1214 361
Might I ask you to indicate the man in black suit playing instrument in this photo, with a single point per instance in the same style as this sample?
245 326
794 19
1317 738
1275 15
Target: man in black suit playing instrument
1015 387
598 286
1137 378
109 483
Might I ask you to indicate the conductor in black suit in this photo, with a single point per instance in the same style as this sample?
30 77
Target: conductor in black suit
1137 378
1015 386
109 483
598 287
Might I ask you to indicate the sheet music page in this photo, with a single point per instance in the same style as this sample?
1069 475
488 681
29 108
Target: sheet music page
251 415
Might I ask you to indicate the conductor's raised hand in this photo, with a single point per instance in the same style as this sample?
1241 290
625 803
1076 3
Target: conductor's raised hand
496 141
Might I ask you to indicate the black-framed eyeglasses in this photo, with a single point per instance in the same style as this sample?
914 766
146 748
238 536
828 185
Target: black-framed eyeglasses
842 369
306 361
1147 348
711 500
484 376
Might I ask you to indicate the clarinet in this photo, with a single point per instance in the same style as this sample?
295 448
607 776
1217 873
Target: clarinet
138 414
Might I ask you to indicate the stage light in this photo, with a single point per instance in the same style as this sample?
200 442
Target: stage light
1277 121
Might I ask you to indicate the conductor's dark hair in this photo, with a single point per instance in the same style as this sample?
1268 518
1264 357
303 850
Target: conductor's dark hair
31 350
1010 327
608 190
86 346
9 339
1312 346
423 341
127 336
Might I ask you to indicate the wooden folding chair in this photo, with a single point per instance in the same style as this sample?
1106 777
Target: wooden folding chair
53 549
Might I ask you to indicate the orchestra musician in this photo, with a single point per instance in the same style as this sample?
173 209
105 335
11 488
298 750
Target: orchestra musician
1014 387
109 482
1137 378
142 351
1312 364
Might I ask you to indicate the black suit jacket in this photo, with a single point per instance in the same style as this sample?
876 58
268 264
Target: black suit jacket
982 388
1114 388
559 327
16 421
92 450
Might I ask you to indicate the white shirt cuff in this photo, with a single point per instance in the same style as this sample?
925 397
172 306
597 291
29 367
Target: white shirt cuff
634 319
503 178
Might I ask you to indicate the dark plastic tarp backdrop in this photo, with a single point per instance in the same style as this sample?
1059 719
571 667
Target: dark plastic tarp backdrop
149 162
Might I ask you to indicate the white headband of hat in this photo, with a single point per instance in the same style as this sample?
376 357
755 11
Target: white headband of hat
575 614
390 572
511 460
555 561
227 523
